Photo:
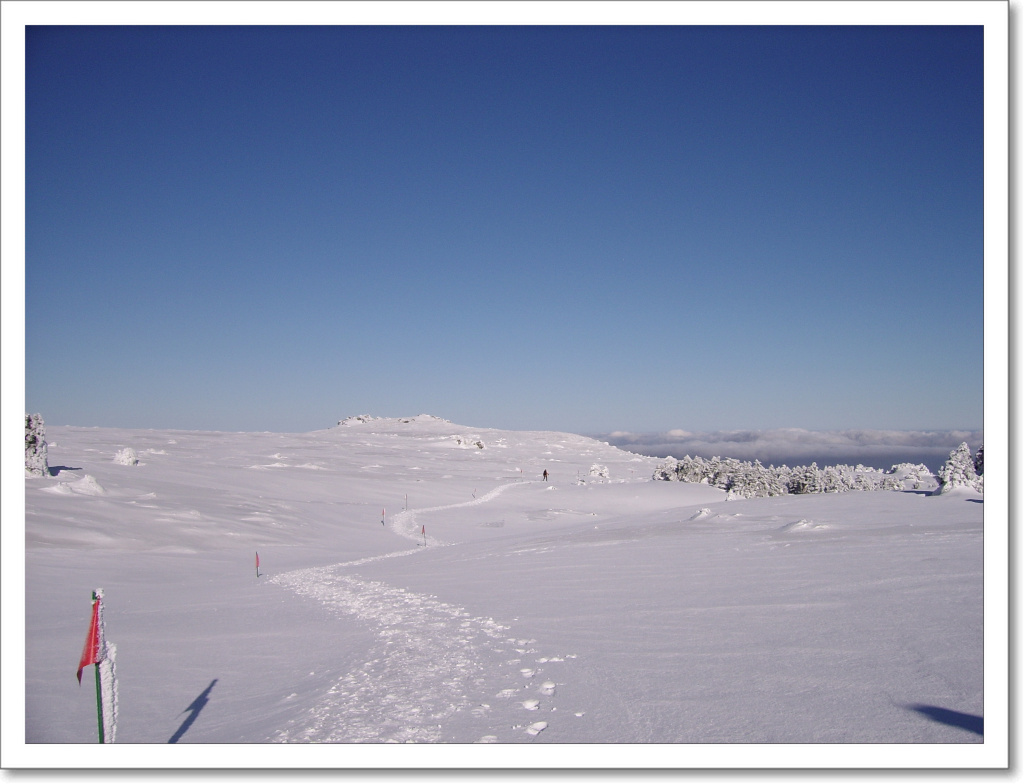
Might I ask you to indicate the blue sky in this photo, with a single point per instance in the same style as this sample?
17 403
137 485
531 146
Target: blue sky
571 228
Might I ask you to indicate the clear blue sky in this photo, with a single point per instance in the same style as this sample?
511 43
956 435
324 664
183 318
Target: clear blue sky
585 229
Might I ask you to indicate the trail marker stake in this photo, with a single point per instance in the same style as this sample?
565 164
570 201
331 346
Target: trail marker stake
257 565
95 652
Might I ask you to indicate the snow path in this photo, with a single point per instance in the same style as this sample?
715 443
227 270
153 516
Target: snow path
404 523
436 671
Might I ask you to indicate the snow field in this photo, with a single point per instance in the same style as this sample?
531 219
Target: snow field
578 611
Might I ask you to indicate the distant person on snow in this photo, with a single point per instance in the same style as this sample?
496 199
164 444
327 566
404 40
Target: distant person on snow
545 475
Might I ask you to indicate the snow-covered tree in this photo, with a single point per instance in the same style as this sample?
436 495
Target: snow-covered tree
863 481
126 456
741 479
693 469
35 446
666 472
833 480
753 480
979 461
890 482
805 479
913 476
958 471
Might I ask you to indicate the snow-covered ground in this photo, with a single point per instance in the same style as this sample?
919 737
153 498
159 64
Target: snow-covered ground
421 581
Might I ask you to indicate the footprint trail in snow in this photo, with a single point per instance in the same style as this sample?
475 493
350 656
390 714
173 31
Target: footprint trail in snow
436 673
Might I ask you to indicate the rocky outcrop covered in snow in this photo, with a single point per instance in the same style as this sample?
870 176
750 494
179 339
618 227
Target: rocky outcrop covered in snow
362 419
356 420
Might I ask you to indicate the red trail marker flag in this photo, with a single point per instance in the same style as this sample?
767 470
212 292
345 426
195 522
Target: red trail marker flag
98 652
92 651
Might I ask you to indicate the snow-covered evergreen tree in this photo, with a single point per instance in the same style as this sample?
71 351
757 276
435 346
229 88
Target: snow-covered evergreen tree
890 482
805 479
742 479
863 482
833 481
979 461
753 480
693 469
958 471
35 446
666 472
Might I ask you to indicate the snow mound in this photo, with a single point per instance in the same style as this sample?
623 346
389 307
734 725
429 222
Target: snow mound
88 485
467 442
61 488
803 525
126 457
701 513
599 471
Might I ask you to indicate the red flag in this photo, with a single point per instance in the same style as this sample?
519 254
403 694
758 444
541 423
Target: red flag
92 651
424 531
257 560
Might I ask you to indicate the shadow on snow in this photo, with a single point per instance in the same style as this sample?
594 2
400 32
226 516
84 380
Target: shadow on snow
193 711
965 721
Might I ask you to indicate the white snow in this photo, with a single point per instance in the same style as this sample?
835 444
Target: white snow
625 611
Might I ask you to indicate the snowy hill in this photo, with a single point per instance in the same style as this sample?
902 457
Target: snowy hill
421 581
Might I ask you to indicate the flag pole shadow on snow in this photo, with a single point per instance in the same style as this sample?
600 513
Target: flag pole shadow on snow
193 711
965 721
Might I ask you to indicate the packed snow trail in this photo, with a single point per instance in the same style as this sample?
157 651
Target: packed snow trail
404 523
437 673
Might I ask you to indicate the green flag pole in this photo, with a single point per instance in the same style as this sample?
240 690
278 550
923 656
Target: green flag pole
99 687
99 703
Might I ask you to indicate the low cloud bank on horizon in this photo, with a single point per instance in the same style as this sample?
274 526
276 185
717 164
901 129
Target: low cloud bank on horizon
793 446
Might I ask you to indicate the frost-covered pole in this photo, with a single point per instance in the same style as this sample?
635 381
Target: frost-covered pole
96 652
